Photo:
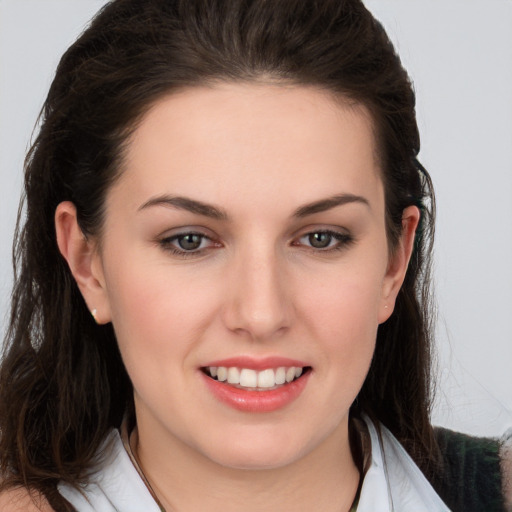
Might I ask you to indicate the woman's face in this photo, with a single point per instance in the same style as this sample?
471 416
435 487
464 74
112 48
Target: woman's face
246 239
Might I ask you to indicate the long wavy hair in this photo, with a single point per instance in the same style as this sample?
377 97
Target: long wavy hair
63 385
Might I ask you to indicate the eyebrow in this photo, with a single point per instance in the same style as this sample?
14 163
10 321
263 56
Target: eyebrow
208 210
327 204
184 203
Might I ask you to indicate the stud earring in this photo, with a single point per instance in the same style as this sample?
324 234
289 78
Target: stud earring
94 312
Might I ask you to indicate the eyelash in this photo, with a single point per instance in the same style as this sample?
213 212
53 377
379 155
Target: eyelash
343 240
168 244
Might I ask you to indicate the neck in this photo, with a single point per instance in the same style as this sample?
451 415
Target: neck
183 480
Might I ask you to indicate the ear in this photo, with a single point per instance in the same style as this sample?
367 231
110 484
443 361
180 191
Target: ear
84 261
398 262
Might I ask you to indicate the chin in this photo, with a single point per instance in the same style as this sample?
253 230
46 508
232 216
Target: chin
258 452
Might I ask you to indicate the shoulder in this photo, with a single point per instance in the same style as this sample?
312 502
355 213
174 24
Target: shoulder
21 499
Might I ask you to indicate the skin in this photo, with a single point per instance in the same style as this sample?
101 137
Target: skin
22 500
257 287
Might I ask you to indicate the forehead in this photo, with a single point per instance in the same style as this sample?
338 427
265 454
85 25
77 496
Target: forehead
228 139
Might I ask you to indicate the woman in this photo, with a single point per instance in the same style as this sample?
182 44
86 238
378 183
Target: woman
222 292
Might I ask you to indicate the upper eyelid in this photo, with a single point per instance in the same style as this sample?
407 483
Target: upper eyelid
179 235
185 230
174 237
325 229
335 234
339 230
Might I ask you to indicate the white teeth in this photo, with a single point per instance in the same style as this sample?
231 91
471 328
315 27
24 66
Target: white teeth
222 373
266 379
280 376
233 375
248 378
290 374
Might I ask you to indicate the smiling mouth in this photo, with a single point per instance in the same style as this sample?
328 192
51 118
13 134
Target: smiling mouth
254 380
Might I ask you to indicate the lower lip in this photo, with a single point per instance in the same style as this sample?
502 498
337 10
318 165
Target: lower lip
257 401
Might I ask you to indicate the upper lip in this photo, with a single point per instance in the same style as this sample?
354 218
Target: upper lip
257 363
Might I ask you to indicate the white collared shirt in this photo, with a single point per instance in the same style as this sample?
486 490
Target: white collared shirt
393 482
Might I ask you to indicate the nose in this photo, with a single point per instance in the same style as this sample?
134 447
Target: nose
257 302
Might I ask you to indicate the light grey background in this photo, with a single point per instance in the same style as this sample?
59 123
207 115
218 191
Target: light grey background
459 54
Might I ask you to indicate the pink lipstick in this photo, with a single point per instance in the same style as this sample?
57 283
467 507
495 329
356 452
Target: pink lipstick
256 385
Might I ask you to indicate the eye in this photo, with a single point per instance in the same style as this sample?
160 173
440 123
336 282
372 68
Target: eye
190 241
187 244
320 240
325 240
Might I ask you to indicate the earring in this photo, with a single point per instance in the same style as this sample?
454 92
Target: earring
94 312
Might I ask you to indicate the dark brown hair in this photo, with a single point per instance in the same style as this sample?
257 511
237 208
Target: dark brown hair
62 382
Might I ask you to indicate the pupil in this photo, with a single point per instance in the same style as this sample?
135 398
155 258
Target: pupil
190 242
320 240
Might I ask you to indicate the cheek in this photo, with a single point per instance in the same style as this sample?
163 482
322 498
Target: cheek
346 305
343 316
154 308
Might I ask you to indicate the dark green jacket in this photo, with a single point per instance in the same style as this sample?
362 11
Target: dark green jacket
471 481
